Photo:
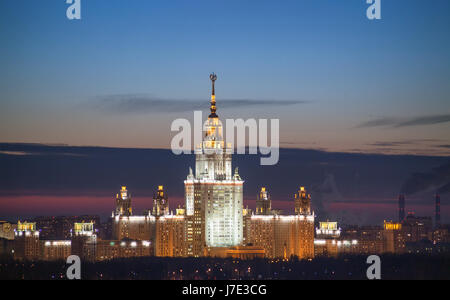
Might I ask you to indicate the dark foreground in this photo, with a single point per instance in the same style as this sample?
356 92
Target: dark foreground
354 268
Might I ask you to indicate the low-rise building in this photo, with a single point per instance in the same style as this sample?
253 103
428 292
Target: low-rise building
55 250
107 250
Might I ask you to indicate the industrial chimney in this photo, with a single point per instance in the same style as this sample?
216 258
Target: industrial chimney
438 211
401 208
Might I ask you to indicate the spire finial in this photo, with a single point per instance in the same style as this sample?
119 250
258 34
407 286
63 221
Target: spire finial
213 78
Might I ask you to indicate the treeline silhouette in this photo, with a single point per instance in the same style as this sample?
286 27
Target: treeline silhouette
414 267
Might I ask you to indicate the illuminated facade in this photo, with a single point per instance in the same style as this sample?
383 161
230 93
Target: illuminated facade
329 243
170 236
263 203
393 238
26 241
123 203
134 227
335 247
302 202
84 240
328 230
170 229
282 236
83 229
214 195
127 226
165 232
60 228
160 202
238 252
370 238
107 250
55 250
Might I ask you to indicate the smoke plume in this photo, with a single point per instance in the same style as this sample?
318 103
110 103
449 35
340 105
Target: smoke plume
437 179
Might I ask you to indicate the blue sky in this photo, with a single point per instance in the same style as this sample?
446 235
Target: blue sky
57 75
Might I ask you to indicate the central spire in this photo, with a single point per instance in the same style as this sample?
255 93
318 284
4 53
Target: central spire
213 108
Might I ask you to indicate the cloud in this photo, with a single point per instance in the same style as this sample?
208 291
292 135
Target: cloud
437 179
425 120
377 123
17 153
445 189
36 149
390 144
325 193
404 142
149 104
406 122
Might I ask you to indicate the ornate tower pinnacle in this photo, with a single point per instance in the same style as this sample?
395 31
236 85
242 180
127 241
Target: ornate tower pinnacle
160 202
302 202
123 203
213 108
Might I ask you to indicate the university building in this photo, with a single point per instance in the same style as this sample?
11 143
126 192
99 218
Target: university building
282 236
214 194
213 221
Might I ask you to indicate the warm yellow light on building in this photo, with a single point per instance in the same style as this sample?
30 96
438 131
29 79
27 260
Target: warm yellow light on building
328 225
83 228
78 227
392 226
26 226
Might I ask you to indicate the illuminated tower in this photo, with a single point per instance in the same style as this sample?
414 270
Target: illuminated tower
123 203
160 202
263 203
401 208
302 202
214 195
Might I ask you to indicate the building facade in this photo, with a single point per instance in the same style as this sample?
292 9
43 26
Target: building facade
123 203
170 236
55 250
394 238
127 226
160 202
26 241
263 203
302 202
107 250
330 243
134 227
214 195
283 236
